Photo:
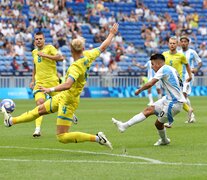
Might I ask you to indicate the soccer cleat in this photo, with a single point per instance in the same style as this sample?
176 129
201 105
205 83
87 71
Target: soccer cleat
191 117
103 140
119 125
75 119
162 142
36 133
168 125
6 117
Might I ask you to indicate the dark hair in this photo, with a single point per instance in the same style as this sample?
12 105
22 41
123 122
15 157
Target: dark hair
157 57
184 37
39 33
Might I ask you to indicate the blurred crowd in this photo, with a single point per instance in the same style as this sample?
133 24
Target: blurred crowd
20 18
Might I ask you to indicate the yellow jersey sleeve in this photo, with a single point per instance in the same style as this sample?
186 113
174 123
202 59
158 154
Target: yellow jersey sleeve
91 55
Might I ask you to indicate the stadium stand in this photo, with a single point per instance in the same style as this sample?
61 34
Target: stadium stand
140 24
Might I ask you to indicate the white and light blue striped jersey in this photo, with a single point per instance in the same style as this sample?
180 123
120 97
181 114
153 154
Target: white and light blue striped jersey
171 83
192 58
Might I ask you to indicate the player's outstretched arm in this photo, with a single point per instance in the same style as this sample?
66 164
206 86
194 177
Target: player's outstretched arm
108 40
61 87
146 86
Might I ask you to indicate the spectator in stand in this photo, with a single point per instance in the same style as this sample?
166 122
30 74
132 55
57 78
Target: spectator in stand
97 38
9 48
19 49
61 39
173 26
203 51
4 30
202 30
195 19
25 65
118 38
170 4
94 29
139 11
10 31
28 36
113 67
14 65
100 7
179 8
181 18
112 20
162 24
103 21
204 4
130 49
186 5
106 57
118 55
96 68
102 33
103 69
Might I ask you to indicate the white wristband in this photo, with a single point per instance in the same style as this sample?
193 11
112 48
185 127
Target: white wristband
52 89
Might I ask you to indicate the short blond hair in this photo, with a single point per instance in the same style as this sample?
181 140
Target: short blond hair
78 44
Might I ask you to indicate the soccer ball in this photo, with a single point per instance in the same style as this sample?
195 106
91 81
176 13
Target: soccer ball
8 104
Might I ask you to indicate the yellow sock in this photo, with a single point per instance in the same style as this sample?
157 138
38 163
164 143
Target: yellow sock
38 121
186 107
26 117
75 137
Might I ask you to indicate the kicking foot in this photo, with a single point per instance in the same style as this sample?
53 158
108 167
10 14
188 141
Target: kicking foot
36 133
168 125
103 140
7 117
119 125
162 142
191 117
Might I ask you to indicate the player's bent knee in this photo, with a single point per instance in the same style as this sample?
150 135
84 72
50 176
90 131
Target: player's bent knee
42 109
40 101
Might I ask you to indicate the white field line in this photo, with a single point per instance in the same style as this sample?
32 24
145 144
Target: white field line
84 152
149 160
102 162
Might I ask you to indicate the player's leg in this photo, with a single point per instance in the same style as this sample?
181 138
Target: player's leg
166 112
46 108
64 122
122 126
40 98
187 106
162 134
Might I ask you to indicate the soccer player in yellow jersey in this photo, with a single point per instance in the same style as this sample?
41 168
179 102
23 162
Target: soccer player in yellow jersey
44 74
177 60
66 102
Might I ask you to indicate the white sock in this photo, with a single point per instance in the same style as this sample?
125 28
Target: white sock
162 134
136 119
150 98
37 129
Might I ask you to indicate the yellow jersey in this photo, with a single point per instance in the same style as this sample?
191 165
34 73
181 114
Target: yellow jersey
177 61
78 71
45 69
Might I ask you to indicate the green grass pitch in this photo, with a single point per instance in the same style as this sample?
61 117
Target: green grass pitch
133 157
